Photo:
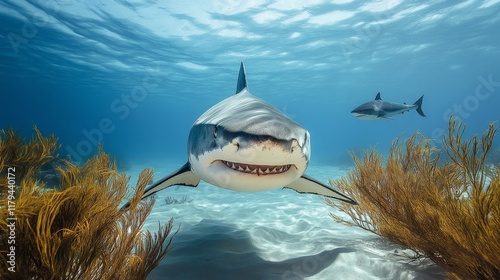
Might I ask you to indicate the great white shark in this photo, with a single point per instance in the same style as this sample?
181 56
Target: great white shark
379 109
245 144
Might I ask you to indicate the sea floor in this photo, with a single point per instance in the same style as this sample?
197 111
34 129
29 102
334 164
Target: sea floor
277 234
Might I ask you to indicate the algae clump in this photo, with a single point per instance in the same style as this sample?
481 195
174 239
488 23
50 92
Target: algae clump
448 213
75 231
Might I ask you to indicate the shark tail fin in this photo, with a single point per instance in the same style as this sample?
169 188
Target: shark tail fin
418 103
242 79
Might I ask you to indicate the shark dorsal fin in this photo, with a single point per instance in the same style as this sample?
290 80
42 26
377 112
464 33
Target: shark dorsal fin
242 79
376 97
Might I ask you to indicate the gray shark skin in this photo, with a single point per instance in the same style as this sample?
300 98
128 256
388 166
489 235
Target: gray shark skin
245 144
379 109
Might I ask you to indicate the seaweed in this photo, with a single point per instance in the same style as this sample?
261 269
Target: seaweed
77 230
449 213
171 200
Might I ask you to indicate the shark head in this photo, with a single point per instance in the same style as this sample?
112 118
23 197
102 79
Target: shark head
369 110
245 144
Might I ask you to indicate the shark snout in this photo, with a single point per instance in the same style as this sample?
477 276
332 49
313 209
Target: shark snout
264 143
268 145
263 151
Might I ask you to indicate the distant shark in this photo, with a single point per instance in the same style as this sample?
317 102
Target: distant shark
245 144
379 109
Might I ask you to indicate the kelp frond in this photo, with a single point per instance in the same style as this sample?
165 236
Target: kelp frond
449 213
76 231
26 158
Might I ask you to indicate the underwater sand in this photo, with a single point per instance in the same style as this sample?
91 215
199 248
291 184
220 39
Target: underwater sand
277 234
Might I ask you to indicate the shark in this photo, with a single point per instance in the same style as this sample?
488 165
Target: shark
245 144
379 109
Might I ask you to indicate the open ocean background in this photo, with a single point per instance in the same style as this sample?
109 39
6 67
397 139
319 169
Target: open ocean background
135 75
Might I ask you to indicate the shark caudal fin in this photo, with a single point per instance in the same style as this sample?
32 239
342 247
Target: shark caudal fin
418 103
183 176
306 184
242 79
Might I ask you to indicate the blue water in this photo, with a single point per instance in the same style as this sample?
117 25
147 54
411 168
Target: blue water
135 75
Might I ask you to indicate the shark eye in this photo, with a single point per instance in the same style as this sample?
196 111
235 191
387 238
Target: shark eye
215 132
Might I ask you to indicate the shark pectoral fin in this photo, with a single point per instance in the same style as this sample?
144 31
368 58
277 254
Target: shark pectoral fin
306 184
183 176
383 116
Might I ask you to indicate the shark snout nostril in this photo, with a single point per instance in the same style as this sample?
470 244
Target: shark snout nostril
295 145
236 143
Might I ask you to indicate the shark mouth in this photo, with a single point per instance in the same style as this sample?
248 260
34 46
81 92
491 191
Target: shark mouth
257 169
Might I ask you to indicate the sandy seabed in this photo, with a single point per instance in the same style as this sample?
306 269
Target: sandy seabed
276 234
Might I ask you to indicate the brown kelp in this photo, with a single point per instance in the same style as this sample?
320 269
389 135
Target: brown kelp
75 231
448 213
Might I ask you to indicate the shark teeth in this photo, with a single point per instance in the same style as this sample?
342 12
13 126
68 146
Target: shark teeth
257 169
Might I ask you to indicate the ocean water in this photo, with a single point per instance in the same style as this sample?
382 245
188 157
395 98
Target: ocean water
135 75
270 235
